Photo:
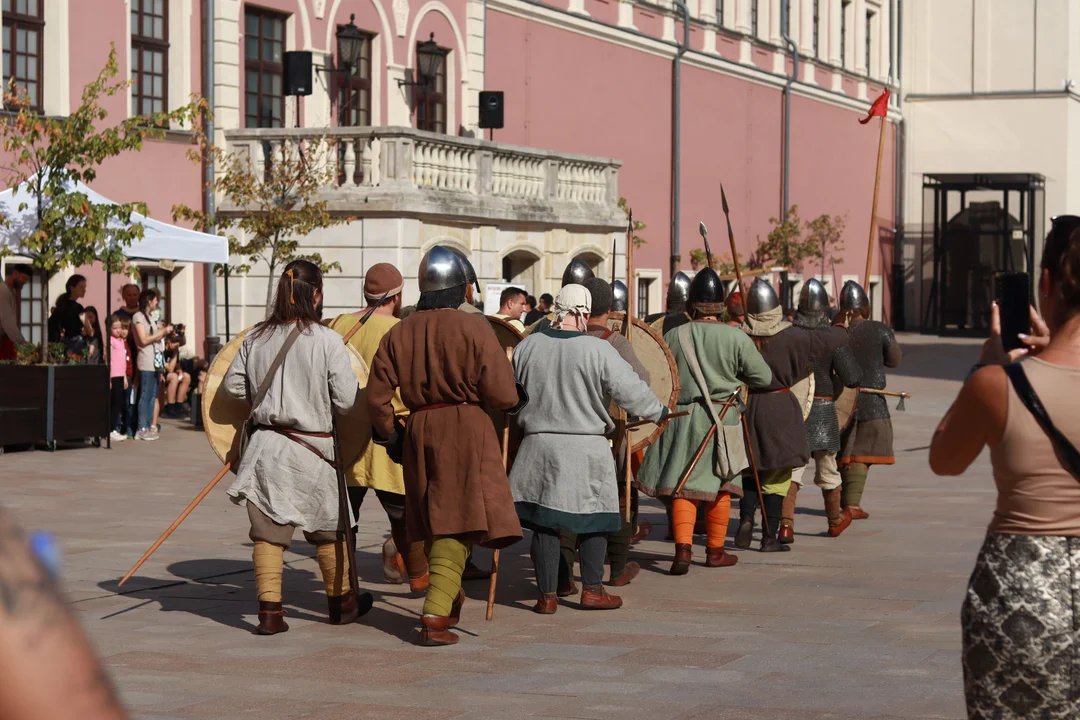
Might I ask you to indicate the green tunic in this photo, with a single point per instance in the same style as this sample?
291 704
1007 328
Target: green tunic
728 360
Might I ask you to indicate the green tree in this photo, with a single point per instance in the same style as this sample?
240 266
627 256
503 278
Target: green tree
638 226
792 242
279 204
49 155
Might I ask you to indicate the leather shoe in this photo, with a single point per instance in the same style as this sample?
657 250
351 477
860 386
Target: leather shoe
271 619
857 513
745 534
567 590
716 557
392 563
435 631
787 534
597 599
455 609
420 584
771 544
681 564
629 573
641 532
547 604
474 573
845 522
346 608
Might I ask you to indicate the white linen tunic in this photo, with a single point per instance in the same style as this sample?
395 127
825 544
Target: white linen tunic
290 484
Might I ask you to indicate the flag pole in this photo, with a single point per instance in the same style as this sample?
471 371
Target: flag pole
873 211
627 331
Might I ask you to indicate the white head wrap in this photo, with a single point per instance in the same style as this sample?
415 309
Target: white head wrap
572 300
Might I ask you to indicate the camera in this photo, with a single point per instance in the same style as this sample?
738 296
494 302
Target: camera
178 335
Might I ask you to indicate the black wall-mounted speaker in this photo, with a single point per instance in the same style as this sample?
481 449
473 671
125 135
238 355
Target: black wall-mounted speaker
297 71
491 109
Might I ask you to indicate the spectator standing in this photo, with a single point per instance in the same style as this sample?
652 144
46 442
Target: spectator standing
15 276
130 295
149 360
96 351
511 305
546 301
67 323
1020 615
530 304
119 361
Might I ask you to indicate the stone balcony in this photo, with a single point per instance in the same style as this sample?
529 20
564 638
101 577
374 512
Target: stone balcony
404 172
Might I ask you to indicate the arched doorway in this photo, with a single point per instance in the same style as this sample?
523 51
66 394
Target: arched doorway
522 268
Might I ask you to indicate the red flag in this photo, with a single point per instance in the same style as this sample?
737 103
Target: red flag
880 108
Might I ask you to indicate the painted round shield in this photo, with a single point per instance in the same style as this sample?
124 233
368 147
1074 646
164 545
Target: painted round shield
845 407
224 416
508 337
655 355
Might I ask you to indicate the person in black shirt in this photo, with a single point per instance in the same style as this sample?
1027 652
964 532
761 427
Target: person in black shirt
68 320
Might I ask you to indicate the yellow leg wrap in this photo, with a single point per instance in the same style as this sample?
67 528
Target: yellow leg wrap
776 482
446 562
333 560
267 558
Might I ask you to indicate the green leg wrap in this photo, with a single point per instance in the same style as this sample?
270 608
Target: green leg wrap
618 548
446 561
853 481
776 482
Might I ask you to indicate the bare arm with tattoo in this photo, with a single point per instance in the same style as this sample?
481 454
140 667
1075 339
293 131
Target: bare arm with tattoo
47 669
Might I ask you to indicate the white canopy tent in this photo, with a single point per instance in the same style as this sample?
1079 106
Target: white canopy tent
161 241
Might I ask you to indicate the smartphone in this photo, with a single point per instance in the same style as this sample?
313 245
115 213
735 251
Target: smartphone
1012 290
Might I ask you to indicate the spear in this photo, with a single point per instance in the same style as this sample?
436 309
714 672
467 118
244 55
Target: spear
705 237
731 239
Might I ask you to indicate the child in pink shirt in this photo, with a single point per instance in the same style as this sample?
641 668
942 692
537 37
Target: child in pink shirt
118 364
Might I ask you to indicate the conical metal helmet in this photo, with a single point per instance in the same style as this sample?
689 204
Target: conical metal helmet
678 292
761 298
706 288
814 299
441 269
853 298
621 296
576 273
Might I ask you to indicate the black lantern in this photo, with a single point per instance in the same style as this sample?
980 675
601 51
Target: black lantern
429 60
350 44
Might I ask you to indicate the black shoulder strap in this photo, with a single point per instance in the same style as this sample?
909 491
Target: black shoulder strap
1066 451
272 370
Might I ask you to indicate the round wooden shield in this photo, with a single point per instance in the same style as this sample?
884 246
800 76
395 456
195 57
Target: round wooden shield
223 415
655 355
509 337
845 407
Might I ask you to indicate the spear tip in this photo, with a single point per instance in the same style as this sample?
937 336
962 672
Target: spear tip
702 229
723 198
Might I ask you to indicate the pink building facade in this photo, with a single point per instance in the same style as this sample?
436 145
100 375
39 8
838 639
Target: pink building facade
588 87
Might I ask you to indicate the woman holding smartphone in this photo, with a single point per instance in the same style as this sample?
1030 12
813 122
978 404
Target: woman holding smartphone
1021 651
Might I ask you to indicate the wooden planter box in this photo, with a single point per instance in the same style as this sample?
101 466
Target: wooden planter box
46 403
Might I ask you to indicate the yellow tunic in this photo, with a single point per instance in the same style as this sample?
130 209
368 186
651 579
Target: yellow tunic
374 468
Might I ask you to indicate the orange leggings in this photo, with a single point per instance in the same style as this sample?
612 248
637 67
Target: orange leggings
717 512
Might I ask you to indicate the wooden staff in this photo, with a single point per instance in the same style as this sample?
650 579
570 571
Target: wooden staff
873 211
731 239
217 478
639 423
187 511
628 324
506 462
890 393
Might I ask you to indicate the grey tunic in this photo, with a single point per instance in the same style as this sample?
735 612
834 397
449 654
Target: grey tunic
564 474
290 484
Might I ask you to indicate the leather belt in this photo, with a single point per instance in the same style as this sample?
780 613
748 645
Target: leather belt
825 397
438 406
297 436
770 392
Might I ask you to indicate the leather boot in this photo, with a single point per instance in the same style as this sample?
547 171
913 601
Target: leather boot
567 590
748 504
594 598
857 513
346 608
787 516
455 609
716 557
392 563
271 619
436 631
839 519
420 584
472 572
629 573
681 564
547 604
641 532
771 508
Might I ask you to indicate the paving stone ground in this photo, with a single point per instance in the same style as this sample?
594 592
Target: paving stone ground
862 626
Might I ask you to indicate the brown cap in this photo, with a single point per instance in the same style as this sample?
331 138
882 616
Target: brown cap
382 279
